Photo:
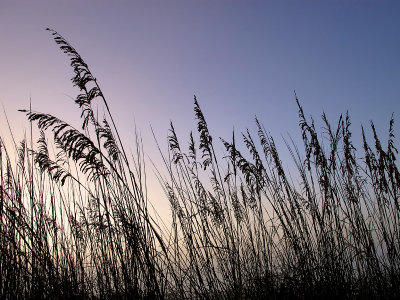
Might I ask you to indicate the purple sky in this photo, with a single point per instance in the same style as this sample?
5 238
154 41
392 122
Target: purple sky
241 58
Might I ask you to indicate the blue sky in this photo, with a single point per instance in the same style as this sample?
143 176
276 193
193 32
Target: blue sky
241 59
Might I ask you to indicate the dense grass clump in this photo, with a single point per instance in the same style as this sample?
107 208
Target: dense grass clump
75 223
254 233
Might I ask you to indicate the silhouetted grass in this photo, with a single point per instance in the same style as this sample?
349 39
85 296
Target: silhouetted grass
75 222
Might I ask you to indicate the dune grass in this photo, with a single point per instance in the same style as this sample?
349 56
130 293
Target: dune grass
75 222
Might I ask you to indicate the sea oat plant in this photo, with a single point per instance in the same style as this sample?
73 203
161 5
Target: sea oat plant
75 220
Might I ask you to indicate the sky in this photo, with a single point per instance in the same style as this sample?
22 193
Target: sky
240 58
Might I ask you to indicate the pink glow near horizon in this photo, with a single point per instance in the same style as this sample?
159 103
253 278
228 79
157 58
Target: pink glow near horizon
241 58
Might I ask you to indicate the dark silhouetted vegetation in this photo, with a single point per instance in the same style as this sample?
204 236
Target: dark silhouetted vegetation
75 220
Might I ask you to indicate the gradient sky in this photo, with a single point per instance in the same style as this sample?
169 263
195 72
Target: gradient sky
241 58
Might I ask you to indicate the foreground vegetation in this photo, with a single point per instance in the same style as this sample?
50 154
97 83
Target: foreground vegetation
75 222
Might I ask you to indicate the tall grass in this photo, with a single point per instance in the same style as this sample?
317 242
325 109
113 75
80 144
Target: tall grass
255 233
76 224
75 221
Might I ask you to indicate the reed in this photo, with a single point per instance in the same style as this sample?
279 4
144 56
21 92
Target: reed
75 222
